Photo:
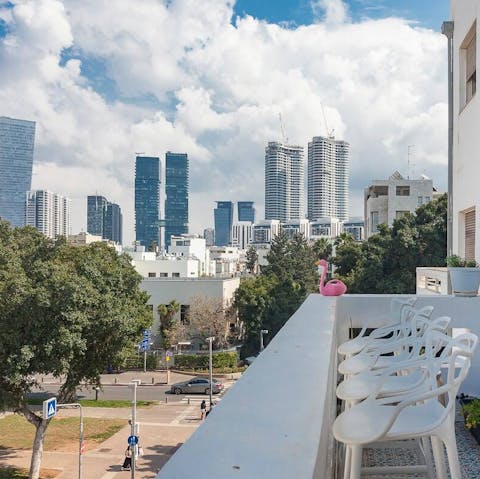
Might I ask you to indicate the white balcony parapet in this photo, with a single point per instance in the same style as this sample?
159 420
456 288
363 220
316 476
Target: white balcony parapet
275 422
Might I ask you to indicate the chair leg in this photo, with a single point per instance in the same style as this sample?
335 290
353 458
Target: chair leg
348 458
437 448
356 468
427 453
452 454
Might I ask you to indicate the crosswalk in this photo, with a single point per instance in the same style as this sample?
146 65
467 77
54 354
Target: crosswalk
198 398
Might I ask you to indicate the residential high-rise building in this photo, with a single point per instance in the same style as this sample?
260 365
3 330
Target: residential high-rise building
96 210
17 139
223 216
284 189
147 201
328 178
49 212
246 211
242 234
112 228
176 195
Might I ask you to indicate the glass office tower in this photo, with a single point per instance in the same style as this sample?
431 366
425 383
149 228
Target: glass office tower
176 195
223 216
246 211
112 228
96 210
16 159
147 201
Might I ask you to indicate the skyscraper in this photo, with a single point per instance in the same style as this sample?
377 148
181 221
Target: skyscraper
328 178
176 195
284 189
48 212
246 211
112 228
147 200
223 216
17 139
96 210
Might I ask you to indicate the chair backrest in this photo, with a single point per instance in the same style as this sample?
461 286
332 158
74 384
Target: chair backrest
397 305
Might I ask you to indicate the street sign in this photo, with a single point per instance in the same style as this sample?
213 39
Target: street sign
49 408
132 440
146 334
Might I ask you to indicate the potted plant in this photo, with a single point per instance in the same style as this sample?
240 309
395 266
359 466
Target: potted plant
464 276
471 413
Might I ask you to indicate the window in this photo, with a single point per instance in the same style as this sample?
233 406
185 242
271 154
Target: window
403 190
184 314
374 221
468 66
175 275
427 199
152 275
470 235
420 201
163 275
400 214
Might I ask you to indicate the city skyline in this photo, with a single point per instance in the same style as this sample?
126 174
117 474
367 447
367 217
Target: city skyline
375 76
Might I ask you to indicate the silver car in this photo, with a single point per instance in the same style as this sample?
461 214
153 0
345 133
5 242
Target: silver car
197 385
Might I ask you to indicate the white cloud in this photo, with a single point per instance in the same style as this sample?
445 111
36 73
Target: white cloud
221 86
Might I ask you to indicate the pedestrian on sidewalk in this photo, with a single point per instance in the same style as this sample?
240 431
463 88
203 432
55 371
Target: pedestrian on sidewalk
203 410
127 463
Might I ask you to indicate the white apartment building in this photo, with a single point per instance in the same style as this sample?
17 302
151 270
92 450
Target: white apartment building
242 234
284 190
296 226
48 212
356 227
265 231
329 227
466 138
167 267
192 247
226 260
387 200
183 290
328 178
83 238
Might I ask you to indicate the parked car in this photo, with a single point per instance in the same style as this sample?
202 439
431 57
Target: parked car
197 385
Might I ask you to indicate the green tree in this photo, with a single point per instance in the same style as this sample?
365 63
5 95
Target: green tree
167 313
252 259
322 249
67 311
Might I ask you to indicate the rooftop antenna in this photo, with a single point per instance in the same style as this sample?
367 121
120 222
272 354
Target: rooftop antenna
410 152
282 128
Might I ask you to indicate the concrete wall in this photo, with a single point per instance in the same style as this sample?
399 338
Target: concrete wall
466 144
186 268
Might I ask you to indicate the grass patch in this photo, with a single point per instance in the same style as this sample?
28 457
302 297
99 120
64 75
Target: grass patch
62 433
14 473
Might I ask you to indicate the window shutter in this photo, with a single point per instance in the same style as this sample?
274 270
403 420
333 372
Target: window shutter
470 235
471 57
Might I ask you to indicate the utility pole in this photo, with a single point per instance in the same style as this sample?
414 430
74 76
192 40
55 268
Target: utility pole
210 365
133 426
80 436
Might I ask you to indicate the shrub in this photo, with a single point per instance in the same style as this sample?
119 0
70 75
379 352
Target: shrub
221 360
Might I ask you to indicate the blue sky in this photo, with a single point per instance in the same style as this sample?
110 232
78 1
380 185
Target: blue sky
428 13
101 88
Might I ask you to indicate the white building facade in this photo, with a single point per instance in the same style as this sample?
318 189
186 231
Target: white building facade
265 231
466 140
387 200
242 234
328 178
284 178
49 212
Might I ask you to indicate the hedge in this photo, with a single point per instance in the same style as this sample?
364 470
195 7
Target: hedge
220 360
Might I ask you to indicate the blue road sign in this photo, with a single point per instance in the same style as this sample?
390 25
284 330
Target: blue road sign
132 440
49 408
146 333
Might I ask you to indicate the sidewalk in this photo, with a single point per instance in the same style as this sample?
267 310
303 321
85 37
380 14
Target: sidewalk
162 430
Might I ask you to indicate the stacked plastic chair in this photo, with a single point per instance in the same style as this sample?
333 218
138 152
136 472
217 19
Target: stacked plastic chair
397 396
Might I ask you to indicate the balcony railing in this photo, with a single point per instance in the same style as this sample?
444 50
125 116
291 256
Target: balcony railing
276 421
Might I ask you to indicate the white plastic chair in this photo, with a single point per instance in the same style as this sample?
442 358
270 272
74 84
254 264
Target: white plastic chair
403 347
355 345
417 414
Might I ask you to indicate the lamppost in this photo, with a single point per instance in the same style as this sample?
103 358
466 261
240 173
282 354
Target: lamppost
262 332
210 341
134 428
80 436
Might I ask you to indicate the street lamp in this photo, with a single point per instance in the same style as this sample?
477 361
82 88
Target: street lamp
262 332
134 427
210 341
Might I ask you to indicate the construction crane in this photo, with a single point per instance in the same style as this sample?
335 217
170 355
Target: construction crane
282 128
330 133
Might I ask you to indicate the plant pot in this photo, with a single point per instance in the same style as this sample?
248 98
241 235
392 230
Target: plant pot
475 431
465 281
